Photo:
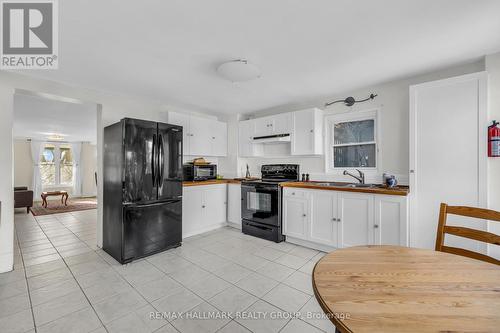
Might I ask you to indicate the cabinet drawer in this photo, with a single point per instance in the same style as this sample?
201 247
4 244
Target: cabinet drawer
294 193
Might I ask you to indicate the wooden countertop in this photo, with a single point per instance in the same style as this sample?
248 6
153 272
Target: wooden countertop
399 289
211 182
315 185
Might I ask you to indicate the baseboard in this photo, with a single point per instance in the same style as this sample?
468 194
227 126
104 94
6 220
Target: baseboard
311 245
234 225
6 262
203 230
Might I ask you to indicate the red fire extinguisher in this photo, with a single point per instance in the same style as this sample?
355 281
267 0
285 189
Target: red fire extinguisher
494 140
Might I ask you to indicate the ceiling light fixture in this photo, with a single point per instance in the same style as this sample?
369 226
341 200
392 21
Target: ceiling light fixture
55 137
350 101
238 70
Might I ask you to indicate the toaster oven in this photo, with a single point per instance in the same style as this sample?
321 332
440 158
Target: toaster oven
194 172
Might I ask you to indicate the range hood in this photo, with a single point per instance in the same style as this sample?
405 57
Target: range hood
276 138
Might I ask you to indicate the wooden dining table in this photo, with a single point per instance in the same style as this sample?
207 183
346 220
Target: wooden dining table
400 289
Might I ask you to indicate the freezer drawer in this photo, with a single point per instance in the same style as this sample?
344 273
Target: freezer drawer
151 228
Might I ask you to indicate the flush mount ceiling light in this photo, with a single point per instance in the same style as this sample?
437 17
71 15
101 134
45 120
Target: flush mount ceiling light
238 70
55 137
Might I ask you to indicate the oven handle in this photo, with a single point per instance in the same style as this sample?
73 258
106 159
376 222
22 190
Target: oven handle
260 187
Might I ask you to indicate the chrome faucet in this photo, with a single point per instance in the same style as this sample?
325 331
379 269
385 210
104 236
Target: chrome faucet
360 178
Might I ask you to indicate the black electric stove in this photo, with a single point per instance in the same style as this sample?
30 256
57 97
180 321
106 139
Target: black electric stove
261 201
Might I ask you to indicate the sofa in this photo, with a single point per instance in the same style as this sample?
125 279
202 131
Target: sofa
23 198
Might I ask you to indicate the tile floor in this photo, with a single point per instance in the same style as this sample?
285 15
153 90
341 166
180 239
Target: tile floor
220 281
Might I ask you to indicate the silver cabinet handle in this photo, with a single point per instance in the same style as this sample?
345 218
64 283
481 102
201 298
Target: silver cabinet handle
375 226
304 215
203 206
311 131
338 220
293 193
334 219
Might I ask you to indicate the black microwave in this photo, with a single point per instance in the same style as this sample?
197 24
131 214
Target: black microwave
193 172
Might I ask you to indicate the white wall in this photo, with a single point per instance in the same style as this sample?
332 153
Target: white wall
393 101
23 166
492 63
88 164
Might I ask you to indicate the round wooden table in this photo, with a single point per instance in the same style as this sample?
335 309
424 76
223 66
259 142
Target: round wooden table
400 289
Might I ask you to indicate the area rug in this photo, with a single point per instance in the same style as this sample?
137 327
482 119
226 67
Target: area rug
55 206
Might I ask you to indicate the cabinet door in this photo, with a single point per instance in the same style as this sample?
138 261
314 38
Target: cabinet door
234 203
303 133
324 225
282 123
214 204
200 140
391 220
246 133
356 219
295 216
180 119
263 126
192 202
219 138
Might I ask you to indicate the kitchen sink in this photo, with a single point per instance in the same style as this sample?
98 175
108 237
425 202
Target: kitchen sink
341 184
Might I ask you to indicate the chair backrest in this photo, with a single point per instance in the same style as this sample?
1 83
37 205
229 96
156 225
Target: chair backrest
479 235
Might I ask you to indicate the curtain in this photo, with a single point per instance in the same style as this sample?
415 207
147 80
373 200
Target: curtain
76 149
36 151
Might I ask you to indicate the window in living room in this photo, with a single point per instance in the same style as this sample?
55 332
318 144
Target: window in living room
56 165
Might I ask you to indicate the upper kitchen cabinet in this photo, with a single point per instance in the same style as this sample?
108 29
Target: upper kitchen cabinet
246 132
307 132
272 125
202 136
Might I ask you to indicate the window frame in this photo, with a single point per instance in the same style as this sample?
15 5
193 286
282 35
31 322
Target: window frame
332 119
57 163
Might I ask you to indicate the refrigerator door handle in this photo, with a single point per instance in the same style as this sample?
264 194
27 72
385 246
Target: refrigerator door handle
153 160
154 204
161 155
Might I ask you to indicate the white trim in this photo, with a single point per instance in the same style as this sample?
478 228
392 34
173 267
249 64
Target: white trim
373 113
311 245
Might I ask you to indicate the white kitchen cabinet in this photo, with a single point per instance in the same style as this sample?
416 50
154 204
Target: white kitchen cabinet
307 132
391 220
201 136
203 208
234 204
295 213
282 123
324 226
264 126
219 138
181 119
335 219
356 216
246 132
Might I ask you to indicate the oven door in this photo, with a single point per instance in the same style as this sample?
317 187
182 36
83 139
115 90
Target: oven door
260 203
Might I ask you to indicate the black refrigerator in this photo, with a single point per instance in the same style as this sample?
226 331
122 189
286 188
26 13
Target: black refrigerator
142 180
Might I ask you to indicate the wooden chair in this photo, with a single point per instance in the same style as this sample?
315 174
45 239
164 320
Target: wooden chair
479 235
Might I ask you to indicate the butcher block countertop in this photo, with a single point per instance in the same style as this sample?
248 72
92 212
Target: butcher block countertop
211 182
379 189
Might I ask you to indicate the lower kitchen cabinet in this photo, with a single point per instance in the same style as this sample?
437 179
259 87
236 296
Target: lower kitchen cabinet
335 219
234 204
203 208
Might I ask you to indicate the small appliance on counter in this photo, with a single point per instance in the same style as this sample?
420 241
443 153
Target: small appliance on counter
199 170
261 201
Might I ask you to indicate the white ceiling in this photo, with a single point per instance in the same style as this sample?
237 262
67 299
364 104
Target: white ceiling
38 117
168 50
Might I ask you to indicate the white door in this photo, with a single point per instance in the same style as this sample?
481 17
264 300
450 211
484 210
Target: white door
324 224
219 138
447 154
192 202
391 222
295 217
180 119
356 219
234 204
214 204
303 133
200 140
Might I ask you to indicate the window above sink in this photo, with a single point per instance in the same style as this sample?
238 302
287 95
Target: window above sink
352 140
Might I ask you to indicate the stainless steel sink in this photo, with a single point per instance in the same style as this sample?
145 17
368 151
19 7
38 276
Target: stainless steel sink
341 184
